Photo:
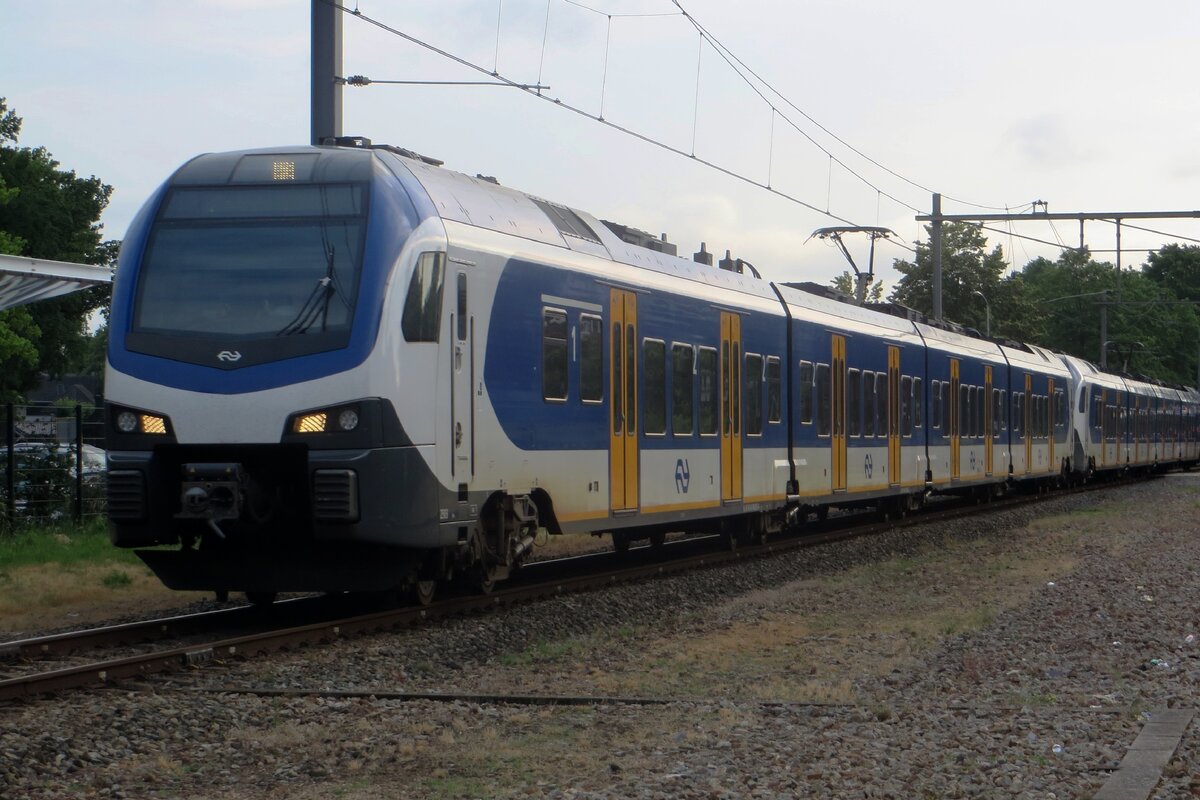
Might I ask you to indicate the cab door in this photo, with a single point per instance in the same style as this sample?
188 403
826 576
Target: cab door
731 407
623 445
462 379
837 388
955 420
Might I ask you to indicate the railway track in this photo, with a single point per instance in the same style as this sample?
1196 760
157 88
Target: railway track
210 643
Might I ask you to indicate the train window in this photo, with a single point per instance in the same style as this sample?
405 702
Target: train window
980 407
964 411
725 388
935 402
630 380
868 405
554 354
706 366
1003 409
462 306
618 370
918 403
997 412
774 396
853 402
422 316
591 358
753 374
906 417
881 404
654 387
1083 393
735 385
824 401
806 392
947 408
681 389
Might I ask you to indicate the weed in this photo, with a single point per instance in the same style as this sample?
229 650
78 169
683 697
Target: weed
116 579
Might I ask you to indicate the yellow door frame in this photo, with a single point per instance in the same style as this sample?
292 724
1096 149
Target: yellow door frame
731 407
623 401
894 415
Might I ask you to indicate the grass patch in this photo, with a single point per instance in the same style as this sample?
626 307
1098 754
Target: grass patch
62 544
116 579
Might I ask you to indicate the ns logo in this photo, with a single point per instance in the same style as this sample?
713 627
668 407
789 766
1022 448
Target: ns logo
682 476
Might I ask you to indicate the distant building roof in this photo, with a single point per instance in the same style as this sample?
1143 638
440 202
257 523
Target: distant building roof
25 280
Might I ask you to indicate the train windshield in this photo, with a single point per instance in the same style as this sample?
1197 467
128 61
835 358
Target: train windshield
253 262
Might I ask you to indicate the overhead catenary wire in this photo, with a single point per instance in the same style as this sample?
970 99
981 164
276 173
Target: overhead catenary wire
583 113
722 48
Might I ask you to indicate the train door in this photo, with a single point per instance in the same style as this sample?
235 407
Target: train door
462 379
893 415
1139 433
987 421
1027 411
956 406
1052 418
623 447
837 386
731 407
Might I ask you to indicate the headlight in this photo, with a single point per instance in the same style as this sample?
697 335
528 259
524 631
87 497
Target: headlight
341 419
128 421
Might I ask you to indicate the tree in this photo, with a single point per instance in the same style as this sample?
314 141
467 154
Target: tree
1176 267
845 284
967 268
50 213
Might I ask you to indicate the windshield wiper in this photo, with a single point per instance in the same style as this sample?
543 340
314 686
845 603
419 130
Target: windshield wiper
317 305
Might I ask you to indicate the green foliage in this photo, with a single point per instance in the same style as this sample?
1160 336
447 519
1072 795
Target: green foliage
844 283
967 267
64 544
49 213
116 579
1176 267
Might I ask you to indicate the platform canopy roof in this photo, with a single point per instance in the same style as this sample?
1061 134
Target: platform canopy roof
25 280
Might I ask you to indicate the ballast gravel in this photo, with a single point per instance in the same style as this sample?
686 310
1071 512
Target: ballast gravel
854 670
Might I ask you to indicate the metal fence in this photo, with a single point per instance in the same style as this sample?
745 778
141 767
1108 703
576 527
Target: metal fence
53 463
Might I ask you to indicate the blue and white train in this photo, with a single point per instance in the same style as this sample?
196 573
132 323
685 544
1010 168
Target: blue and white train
348 368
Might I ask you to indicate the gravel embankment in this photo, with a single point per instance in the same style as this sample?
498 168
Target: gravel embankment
1011 656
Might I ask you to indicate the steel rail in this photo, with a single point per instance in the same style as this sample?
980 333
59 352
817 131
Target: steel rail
264 642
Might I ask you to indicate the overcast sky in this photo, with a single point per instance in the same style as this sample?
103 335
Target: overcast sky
1090 105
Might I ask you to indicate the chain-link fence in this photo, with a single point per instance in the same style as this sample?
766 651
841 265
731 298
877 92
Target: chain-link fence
53 463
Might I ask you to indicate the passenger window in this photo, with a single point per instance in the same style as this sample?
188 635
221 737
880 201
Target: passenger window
980 399
853 402
918 403
935 411
774 396
681 389
591 359
654 387
422 316
824 401
906 418
947 408
881 407
753 374
868 409
554 354
997 412
806 392
707 368
964 411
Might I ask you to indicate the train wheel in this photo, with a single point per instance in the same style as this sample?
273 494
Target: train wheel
485 578
261 598
657 540
423 592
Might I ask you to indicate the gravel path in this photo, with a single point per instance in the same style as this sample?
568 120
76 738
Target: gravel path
1013 656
